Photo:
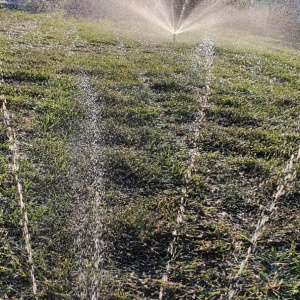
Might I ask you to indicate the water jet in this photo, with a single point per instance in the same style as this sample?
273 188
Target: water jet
173 16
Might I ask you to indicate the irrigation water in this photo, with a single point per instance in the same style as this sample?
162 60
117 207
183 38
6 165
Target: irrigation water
173 16
206 49
286 180
15 167
89 197
88 171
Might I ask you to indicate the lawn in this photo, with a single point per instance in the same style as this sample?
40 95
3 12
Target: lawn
149 169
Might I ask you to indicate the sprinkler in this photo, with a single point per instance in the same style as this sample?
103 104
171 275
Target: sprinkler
174 37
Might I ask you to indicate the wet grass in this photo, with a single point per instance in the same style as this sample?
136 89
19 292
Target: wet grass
148 95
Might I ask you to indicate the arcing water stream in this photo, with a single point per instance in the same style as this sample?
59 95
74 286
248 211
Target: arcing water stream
15 167
89 197
286 180
207 50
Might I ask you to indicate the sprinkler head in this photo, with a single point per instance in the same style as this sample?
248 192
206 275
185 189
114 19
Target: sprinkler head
174 37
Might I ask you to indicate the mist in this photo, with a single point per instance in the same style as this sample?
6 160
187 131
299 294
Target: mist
190 16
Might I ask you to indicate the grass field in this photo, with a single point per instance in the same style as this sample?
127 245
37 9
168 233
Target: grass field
177 159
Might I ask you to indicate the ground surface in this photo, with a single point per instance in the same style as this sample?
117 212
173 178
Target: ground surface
158 169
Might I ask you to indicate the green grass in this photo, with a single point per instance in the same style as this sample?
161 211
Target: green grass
147 95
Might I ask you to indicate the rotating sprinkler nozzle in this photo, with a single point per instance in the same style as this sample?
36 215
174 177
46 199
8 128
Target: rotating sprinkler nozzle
174 37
